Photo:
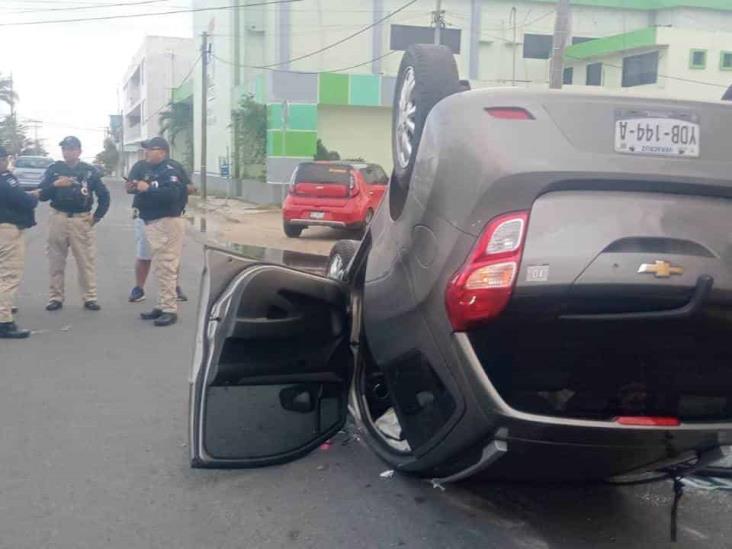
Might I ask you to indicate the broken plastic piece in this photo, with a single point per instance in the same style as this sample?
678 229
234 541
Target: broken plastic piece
387 474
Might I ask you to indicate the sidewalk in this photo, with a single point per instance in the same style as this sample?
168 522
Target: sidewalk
231 221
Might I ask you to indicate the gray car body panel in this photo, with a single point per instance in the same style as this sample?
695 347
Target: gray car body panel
471 168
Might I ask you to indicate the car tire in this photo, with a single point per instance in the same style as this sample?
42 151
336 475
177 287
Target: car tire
292 231
340 257
403 461
427 74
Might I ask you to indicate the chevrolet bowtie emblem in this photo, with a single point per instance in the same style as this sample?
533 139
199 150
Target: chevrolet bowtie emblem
662 269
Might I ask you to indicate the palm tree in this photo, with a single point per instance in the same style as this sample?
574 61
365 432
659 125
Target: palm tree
7 94
176 119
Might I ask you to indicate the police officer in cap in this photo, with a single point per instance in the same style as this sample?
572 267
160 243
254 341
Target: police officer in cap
71 186
142 170
160 198
17 213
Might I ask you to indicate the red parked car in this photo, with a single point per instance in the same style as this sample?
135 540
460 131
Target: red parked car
343 195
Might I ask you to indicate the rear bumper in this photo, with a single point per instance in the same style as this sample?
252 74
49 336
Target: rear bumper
541 446
318 223
348 216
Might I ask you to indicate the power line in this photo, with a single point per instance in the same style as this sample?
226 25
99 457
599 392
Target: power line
88 7
341 41
387 54
157 14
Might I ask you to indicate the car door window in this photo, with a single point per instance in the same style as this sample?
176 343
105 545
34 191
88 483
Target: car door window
374 175
271 366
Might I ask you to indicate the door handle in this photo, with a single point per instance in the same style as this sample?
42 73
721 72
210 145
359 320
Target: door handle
701 292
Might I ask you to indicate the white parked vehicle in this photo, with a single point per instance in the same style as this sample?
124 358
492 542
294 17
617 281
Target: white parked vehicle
30 169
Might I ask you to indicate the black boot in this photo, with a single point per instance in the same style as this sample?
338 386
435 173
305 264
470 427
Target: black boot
9 330
166 319
54 305
152 315
92 306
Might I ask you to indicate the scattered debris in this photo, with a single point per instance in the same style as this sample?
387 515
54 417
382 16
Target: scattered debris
326 446
708 483
387 474
437 484
66 328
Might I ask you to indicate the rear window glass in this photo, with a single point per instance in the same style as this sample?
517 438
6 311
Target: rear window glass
32 162
321 173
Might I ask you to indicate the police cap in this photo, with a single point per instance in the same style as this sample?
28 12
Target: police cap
70 142
156 143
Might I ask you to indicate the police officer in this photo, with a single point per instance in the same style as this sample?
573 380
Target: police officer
160 197
17 212
141 171
70 186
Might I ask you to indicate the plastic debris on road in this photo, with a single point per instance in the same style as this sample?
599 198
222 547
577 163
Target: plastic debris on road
387 474
708 483
437 484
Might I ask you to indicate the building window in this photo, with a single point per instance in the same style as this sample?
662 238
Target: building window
639 70
725 61
698 59
537 46
568 76
594 74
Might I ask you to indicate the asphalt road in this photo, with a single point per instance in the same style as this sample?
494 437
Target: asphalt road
93 453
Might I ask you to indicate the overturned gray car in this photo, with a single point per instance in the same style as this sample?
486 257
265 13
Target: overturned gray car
545 292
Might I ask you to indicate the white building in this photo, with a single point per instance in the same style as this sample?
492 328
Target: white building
330 64
158 68
664 60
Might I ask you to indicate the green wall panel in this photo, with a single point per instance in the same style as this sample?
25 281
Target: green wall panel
300 143
365 90
274 143
333 89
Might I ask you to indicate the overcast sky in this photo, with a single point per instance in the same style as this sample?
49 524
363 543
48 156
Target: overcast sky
68 74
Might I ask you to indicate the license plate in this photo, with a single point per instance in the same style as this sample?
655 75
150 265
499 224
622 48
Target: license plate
663 135
317 215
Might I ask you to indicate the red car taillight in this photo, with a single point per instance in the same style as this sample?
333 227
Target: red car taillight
352 187
481 289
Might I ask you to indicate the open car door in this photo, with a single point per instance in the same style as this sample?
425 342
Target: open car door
272 363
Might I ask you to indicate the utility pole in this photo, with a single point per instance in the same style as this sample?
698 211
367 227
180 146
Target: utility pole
234 167
438 18
12 97
204 111
513 46
562 31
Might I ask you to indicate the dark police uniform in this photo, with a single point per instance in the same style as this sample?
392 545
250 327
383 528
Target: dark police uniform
72 225
16 214
160 208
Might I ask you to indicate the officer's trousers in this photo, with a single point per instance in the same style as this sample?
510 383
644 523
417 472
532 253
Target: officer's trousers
166 244
12 258
77 233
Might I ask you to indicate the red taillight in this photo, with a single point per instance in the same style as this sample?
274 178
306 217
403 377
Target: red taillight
648 421
352 187
509 113
481 289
